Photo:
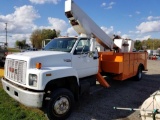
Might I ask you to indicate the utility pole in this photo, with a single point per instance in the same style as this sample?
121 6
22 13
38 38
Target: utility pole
6 34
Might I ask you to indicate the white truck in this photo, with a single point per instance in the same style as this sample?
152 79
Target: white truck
67 67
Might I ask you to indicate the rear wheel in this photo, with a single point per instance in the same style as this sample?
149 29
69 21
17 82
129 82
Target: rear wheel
138 76
61 104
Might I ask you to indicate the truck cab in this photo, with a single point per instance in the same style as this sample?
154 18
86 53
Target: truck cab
79 51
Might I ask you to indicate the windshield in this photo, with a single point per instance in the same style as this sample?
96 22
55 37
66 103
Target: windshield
60 44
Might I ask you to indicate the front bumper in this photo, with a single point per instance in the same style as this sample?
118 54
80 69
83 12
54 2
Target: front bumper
28 98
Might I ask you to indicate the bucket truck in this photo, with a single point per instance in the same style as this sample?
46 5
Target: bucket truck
69 66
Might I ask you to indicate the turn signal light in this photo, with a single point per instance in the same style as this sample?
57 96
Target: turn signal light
38 65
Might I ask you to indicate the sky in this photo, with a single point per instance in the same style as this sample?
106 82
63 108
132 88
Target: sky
133 19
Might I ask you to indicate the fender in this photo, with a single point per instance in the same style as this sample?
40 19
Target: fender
52 73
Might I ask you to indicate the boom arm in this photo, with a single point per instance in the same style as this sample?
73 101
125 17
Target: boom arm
83 24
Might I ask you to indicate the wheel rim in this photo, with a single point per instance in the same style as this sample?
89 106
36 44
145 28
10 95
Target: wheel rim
61 105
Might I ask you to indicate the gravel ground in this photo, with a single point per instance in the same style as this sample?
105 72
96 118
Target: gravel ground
98 105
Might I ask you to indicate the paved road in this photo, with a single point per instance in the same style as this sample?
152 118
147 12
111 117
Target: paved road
99 105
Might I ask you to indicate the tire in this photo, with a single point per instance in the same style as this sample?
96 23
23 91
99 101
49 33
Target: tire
1 64
138 76
61 104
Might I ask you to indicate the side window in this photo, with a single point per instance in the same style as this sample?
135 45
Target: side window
70 44
83 46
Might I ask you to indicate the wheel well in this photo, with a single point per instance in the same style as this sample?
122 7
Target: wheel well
142 66
69 83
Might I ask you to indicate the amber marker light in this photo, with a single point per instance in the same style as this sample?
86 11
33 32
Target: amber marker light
49 74
38 65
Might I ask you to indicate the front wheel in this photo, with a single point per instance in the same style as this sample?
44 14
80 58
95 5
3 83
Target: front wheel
61 104
1 64
138 76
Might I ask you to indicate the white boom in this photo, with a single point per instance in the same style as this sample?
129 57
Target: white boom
83 24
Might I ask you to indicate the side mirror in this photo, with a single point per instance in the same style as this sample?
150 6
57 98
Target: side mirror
78 51
95 55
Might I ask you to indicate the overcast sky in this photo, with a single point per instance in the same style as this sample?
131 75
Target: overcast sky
134 19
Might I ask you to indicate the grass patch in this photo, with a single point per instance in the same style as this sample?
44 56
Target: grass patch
13 50
13 110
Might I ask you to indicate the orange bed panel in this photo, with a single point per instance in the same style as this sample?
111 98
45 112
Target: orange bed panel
110 56
112 67
124 65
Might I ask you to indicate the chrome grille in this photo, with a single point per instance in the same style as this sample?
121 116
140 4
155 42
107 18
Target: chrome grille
15 70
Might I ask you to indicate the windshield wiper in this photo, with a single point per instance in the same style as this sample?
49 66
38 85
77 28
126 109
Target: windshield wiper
52 49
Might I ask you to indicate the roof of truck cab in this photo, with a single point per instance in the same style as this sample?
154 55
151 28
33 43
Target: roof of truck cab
67 37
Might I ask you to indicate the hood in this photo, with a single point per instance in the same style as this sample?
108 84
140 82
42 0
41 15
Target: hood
47 58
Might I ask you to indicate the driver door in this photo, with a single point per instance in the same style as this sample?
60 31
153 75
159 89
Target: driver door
84 64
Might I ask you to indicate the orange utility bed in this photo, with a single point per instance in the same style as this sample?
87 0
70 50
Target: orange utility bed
123 65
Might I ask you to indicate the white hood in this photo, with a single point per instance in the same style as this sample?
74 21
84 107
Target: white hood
47 58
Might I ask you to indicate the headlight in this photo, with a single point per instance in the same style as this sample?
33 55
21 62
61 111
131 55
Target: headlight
33 80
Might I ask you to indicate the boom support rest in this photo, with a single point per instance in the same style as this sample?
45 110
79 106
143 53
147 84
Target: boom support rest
101 80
